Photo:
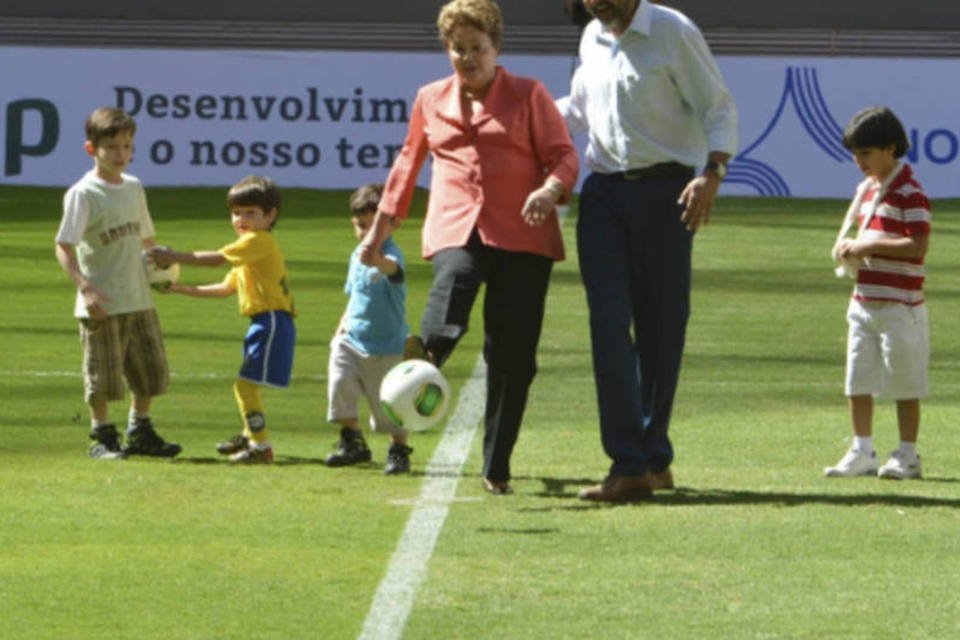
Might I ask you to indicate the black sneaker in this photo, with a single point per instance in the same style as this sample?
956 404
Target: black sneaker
233 445
398 459
106 443
351 449
144 441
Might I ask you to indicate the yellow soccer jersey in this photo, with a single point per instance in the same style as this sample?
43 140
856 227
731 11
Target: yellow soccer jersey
259 274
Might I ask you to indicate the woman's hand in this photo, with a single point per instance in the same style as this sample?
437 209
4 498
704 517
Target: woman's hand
541 203
381 227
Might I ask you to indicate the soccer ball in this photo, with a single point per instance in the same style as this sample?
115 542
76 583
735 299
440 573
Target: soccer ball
414 394
160 279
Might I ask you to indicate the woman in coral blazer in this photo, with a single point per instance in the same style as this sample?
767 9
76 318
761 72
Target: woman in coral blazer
502 161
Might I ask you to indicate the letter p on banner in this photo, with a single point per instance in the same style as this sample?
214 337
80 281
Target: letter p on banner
16 146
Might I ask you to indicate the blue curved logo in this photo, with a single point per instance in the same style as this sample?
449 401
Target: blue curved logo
801 89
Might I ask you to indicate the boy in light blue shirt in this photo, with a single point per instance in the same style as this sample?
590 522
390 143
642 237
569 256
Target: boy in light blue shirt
369 342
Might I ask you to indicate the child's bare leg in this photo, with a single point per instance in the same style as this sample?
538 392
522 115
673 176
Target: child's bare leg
349 423
908 419
141 405
861 415
99 410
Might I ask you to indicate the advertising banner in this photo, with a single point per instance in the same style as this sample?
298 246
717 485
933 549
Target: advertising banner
337 119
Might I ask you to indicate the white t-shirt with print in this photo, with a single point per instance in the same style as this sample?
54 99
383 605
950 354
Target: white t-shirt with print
107 224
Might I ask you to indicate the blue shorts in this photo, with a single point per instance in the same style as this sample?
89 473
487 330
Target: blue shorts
268 349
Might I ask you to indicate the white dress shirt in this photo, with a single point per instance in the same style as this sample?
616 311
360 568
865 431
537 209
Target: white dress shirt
653 95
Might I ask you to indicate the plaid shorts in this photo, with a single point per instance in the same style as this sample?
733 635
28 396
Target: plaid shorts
128 346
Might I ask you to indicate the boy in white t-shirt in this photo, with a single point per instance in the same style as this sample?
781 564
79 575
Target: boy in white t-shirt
104 230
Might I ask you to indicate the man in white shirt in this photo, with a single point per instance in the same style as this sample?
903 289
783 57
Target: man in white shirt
655 107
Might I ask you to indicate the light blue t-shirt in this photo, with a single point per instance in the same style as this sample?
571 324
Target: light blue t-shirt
376 313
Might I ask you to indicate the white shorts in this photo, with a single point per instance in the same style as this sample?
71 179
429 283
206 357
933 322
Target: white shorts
352 375
888 350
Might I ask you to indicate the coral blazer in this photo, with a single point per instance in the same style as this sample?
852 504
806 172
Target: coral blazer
485 167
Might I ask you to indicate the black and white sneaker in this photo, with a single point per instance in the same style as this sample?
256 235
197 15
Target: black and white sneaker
235 444
351 449
106 443
398 459
143 440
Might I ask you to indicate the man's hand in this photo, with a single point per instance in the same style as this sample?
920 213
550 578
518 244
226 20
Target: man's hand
698 198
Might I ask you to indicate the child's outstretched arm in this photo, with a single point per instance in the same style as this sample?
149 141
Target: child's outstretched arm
218 290
165 256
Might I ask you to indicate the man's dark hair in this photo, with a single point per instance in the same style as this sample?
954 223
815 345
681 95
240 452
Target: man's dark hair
876 127
577 13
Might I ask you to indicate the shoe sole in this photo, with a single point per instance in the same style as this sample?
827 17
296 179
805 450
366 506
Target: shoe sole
171 453
833 473
99 453
252 460
896 475
396 471
345 463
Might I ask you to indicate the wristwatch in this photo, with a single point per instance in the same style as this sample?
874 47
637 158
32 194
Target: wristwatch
718 168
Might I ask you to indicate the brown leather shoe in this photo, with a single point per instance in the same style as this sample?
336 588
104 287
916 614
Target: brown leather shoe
662 480
620 489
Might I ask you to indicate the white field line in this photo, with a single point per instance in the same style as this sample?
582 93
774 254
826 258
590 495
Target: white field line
408 566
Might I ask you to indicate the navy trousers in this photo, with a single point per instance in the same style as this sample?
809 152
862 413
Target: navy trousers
635 263
513 307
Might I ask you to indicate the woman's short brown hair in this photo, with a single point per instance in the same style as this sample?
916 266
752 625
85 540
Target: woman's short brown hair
481 14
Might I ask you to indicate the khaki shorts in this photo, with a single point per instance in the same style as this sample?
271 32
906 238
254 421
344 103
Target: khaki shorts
352 375
888 350
125 347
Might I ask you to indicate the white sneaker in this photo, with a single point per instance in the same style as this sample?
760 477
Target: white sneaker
901 467
854 463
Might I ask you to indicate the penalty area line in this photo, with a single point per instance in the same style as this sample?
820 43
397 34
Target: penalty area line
407 570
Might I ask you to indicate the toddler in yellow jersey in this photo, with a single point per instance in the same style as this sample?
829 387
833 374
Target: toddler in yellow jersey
259 278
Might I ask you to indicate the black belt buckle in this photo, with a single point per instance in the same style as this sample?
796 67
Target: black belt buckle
662 170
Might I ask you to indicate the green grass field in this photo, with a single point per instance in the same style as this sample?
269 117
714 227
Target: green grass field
754 543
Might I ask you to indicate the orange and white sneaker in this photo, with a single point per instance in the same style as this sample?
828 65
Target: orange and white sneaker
253 455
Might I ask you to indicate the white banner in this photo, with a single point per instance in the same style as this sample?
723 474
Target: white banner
337 119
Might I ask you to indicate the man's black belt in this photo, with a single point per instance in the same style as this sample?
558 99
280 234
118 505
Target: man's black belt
661 171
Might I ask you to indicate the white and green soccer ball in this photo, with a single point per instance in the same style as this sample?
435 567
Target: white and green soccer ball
160 279
414 394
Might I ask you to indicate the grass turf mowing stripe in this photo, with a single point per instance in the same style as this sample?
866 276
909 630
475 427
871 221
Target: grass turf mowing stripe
408 566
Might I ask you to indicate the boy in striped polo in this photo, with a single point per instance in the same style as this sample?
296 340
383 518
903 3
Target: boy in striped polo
888 343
